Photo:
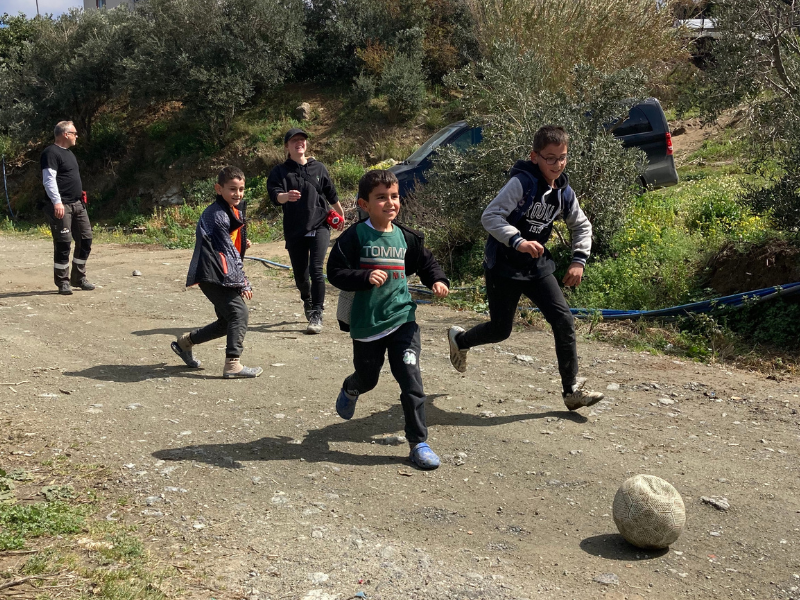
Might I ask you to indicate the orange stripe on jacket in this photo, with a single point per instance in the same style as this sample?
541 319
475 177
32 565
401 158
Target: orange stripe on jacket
235 237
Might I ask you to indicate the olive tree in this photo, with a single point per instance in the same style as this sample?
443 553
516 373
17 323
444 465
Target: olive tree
68 68
756 64
214 56
508 96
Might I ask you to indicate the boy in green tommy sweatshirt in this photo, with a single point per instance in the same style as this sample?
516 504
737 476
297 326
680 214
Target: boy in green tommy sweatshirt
374 259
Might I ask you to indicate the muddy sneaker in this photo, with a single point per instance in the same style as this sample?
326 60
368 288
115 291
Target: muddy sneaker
65 289
346 404
315 322
308 308
234 369
580 397
183 348
458 357
425 458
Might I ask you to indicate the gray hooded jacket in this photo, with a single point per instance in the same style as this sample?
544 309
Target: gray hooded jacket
525 209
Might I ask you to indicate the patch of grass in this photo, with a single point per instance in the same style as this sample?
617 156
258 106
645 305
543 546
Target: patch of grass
127 590
435 119
655 259
729 147
382 149
43 562
346 172
269 130
22 522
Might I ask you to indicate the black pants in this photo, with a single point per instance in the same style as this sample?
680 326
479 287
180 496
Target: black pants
403 347
73 225
232 317
307 255
504 295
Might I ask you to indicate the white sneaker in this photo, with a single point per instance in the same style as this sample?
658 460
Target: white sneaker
458 357
580 397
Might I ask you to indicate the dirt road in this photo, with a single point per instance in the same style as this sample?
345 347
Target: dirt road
261 491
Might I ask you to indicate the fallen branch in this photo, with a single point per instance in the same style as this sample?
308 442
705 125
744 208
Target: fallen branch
13 383
17 582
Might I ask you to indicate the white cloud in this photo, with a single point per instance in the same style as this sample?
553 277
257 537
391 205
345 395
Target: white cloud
28 7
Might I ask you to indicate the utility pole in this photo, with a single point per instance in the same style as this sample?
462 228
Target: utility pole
37 8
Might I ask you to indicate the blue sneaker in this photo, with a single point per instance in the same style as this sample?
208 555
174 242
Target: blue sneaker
425 458
346 404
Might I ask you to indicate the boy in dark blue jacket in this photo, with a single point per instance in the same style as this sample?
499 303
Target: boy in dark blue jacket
217 268
519 221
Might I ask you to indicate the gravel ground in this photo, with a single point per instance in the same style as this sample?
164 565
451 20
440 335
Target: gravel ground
258 490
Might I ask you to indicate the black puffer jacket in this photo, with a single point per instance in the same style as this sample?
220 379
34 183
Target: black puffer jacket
310 212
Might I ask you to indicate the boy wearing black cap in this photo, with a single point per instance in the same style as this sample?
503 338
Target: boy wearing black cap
303 188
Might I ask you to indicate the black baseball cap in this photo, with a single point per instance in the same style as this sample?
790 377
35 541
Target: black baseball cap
293 132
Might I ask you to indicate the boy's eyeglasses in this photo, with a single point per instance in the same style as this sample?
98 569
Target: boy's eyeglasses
551 160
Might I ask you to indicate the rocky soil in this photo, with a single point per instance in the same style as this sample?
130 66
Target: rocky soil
256 489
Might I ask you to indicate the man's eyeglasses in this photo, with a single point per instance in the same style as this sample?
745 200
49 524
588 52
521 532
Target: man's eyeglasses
75 133
551 160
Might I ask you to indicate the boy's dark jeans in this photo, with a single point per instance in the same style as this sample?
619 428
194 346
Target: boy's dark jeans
232 315
504 294
403 347
307 255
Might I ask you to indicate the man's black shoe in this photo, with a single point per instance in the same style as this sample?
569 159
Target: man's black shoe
85 285
64 289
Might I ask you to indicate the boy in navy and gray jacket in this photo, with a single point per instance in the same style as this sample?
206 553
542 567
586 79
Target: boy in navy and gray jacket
217 268
519 221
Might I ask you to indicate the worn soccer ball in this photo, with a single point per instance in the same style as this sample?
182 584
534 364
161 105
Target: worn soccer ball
649 512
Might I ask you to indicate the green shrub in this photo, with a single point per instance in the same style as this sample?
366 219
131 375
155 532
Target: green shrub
403 84
158 130
716 213
346 172
775 323
435 119
363 88
508 96
200 192
109 140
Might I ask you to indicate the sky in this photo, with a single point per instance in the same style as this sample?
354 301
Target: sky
28 7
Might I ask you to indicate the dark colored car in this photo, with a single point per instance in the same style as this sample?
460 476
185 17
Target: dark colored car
645 127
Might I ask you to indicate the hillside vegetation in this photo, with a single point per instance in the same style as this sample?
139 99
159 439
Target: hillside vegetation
165 95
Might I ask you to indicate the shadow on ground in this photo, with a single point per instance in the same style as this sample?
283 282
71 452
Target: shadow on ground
170 331
28 293
615 547
316 445
133 373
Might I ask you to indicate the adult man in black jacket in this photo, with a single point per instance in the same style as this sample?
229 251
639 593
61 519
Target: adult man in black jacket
66 210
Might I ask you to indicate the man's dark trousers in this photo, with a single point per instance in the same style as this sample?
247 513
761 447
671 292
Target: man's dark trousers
403 347
73 225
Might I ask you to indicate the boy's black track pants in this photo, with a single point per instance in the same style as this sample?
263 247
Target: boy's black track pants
232 315
403 347
504 294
